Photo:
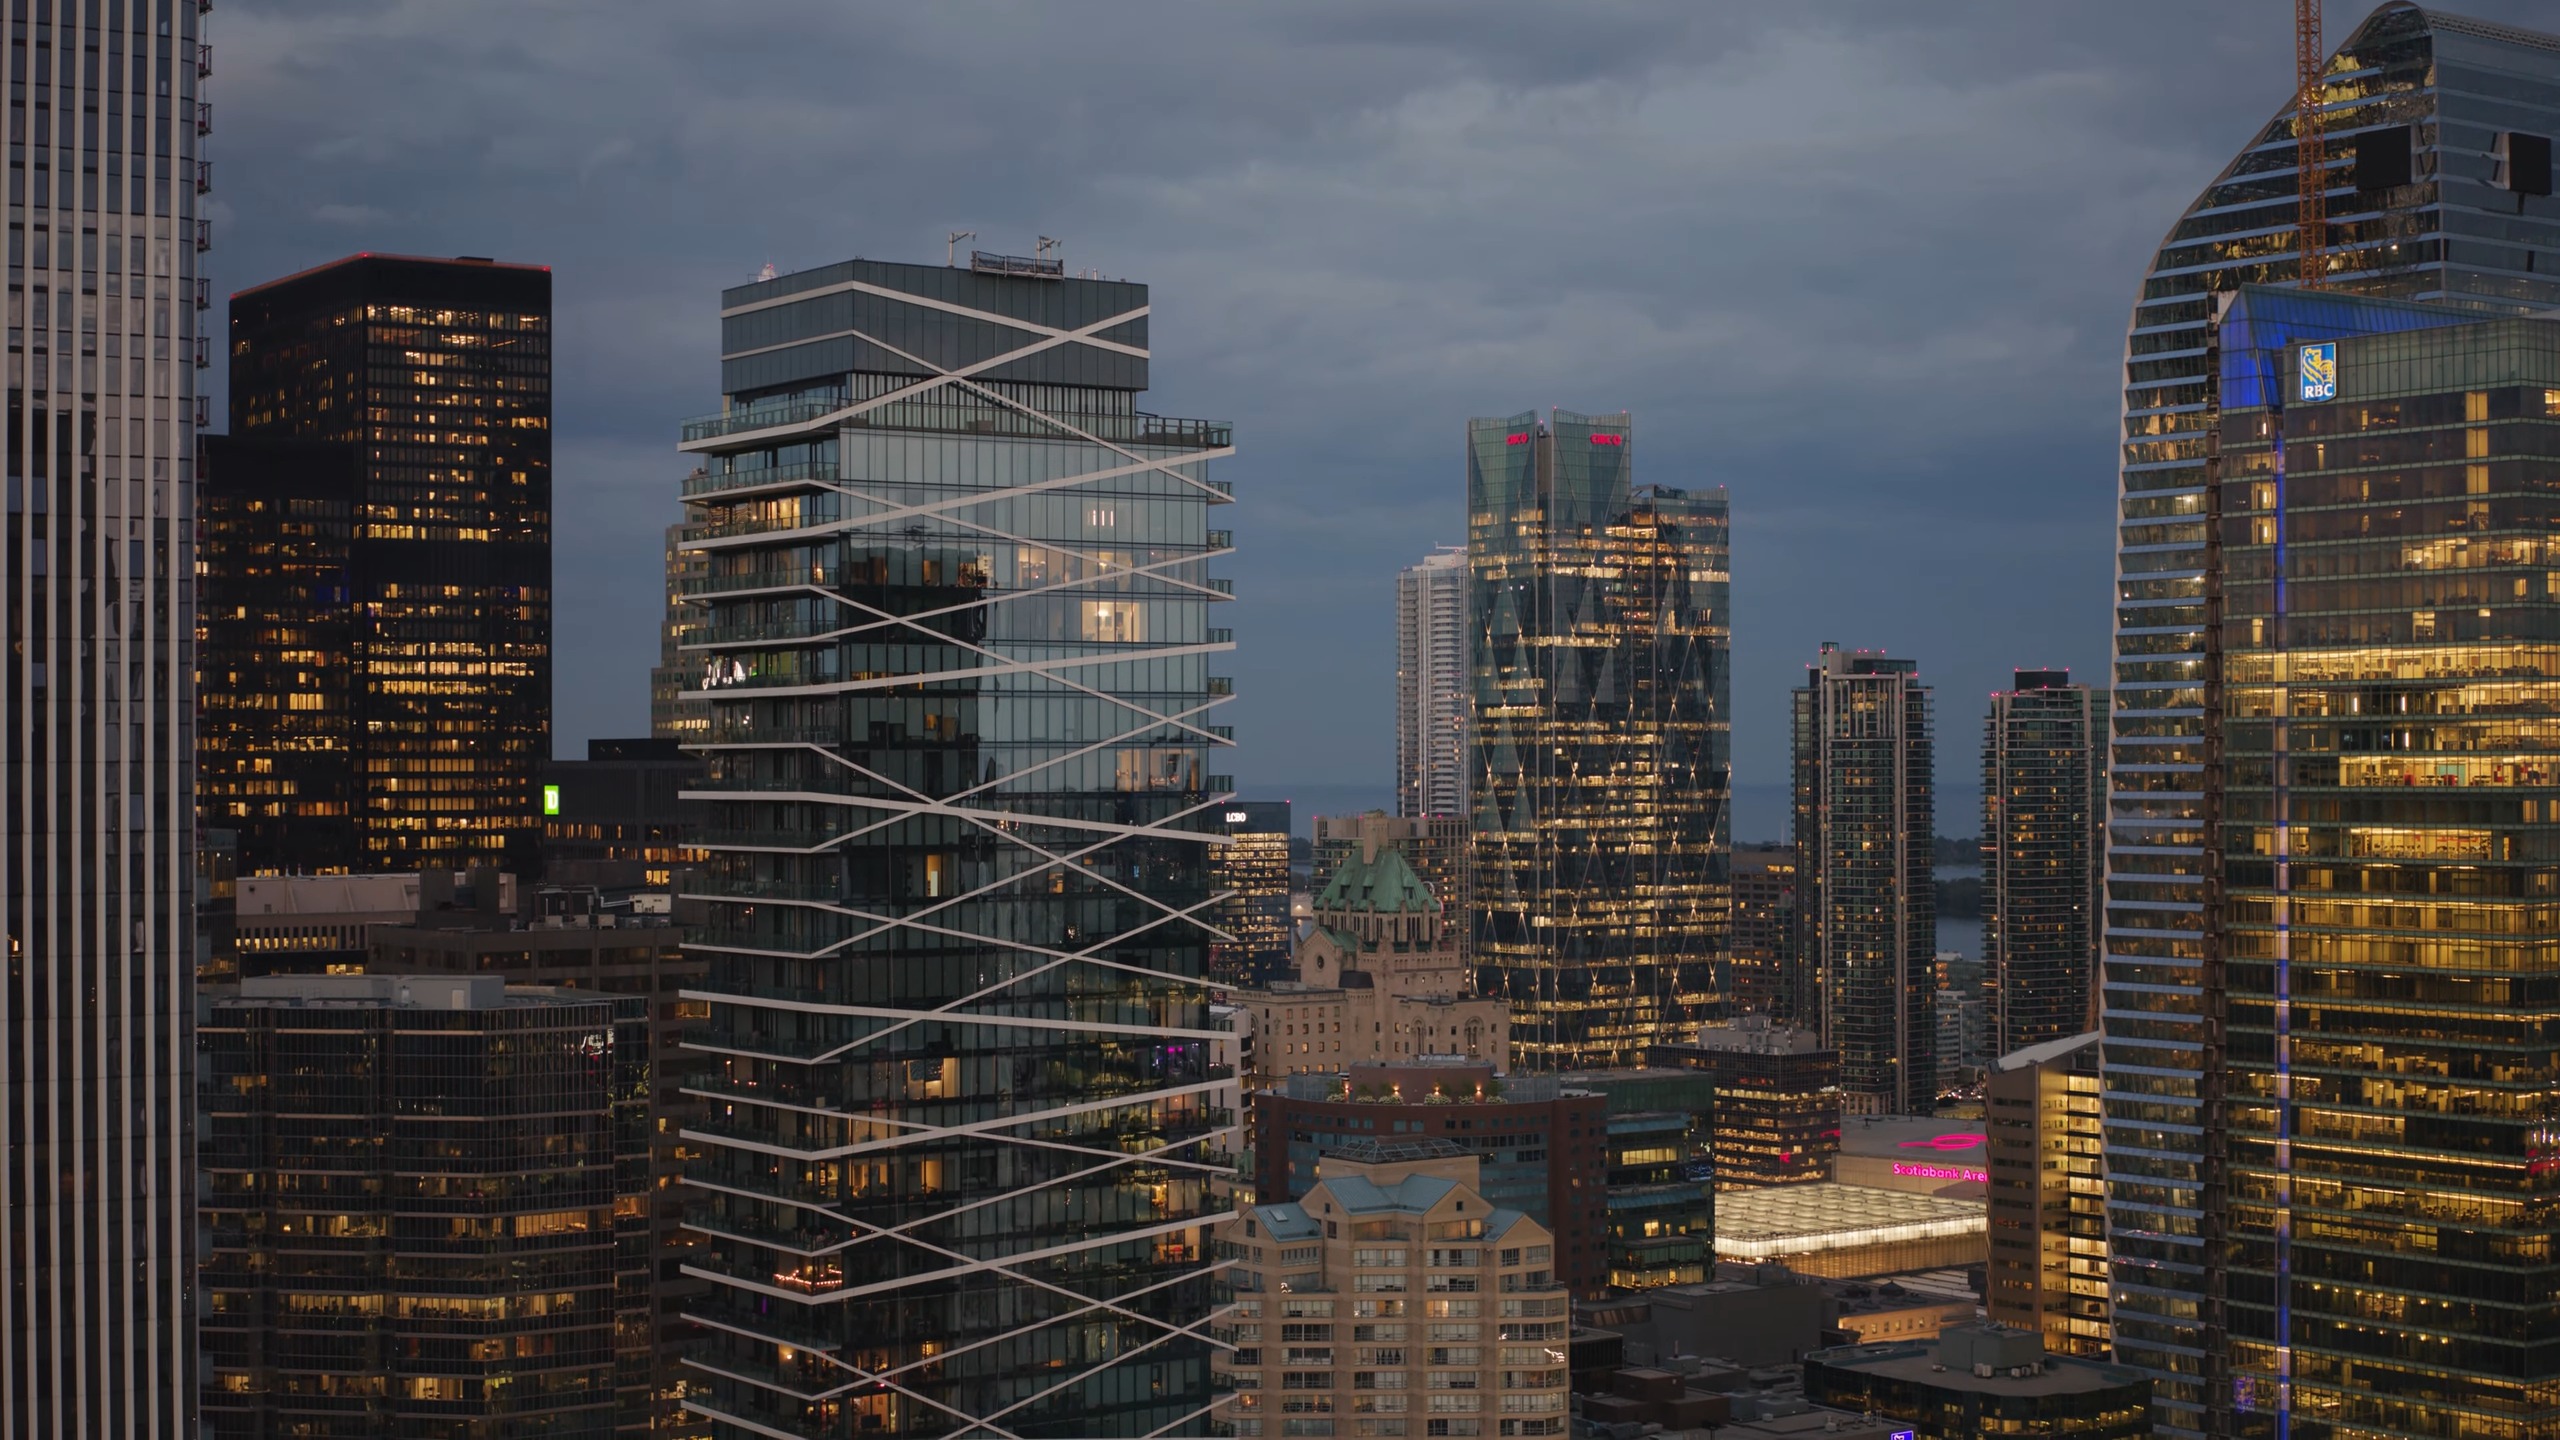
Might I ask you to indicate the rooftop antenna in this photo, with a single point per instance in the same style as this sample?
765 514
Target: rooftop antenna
1046 245
767 272
951 256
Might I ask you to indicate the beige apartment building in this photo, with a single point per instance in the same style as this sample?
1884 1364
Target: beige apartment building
1394 1301
2048 1268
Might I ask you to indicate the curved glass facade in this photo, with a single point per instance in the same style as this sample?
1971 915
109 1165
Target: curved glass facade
2415 103
950 630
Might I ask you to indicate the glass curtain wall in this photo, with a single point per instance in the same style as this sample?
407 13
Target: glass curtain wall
1601 651
2437 92
951 639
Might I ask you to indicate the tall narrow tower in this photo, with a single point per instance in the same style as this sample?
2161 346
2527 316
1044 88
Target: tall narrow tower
1601 657
952 641
97 705
1866 878
2044 777
1431 686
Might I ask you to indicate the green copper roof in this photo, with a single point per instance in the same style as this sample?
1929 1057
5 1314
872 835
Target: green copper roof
1384 886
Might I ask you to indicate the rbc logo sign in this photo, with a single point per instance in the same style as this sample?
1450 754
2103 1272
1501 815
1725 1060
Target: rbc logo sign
2320 371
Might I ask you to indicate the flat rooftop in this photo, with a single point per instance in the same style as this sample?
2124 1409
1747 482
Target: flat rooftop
1783 1220
1919 1364
1916 1138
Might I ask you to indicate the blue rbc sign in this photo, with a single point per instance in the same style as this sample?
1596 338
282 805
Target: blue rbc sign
2319 371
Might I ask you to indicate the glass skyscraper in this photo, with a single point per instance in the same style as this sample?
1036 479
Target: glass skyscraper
1865 803
97 712
951 634
2418 107
1600 648
2044 787
2388 692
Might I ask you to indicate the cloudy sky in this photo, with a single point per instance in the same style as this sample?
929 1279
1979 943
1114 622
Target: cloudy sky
1867 264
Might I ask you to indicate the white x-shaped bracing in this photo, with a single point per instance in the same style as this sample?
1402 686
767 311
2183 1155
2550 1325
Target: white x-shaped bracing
1047 845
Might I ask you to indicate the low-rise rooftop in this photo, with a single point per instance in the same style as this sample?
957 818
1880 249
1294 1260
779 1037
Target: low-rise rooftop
1783 1220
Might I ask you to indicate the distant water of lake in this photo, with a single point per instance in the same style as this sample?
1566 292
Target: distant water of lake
1962 934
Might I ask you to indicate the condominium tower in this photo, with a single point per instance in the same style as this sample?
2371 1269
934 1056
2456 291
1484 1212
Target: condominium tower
1431 685
2044 779
97 701
1866 886
952 639
2423 113
376 643
1600 656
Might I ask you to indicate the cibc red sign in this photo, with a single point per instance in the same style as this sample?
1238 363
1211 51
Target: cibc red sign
1608 439
1517 440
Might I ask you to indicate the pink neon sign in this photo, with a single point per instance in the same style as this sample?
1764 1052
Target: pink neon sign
1608 439
1941 1172
1957 1140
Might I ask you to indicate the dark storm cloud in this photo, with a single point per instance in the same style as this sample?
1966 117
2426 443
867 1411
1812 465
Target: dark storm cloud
1867 264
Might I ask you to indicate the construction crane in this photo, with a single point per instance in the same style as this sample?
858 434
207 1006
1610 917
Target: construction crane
2310 148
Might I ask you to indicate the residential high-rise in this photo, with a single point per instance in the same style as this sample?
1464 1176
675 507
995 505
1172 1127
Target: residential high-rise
2418 105
1765 949
425 1200
1600 650
2044 794
953 640
669 717
1399 1297
1431 685
2048 1194
376 654
1866 886
1252 871
97 702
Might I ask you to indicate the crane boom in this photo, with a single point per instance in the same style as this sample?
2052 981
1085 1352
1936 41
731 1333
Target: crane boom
2311 152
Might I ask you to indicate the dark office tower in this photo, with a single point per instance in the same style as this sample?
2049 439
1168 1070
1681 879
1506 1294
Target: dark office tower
1866 889
616 818
2414 96
376 657
97 703
953 641
2044 783
1601 654
1252 871
425 1202
279 732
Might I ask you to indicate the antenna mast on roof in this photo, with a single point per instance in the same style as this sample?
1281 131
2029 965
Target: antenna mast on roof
2310 147
951 256
1045 246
